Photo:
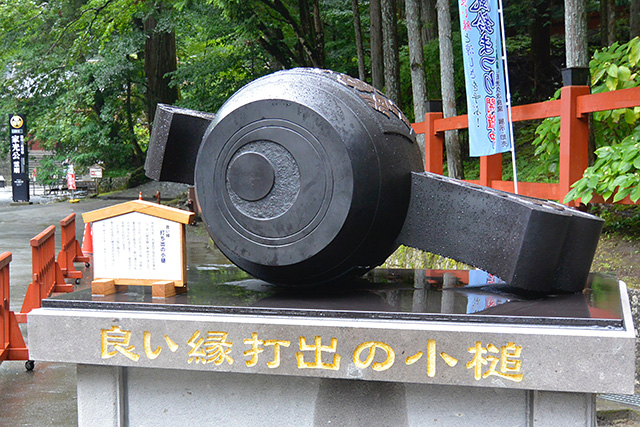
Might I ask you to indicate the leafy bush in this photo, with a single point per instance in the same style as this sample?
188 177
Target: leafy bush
617 168
616 132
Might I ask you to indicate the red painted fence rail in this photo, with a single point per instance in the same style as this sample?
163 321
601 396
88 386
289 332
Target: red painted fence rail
12 346
573 107
70 250
47 276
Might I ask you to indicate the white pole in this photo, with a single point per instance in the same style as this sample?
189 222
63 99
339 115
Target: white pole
508 90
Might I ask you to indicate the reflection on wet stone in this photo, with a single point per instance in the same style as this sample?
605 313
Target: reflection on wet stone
452 295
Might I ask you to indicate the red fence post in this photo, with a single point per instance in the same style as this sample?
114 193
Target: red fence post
490 169
433 144
12 346
574 139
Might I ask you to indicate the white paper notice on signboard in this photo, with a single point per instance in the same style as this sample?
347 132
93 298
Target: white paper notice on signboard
95 172
137 246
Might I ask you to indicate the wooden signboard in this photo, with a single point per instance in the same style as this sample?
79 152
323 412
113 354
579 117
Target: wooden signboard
139 243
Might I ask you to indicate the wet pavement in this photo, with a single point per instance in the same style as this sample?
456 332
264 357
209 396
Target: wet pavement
46 396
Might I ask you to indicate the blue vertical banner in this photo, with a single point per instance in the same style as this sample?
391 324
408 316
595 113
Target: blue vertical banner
485 78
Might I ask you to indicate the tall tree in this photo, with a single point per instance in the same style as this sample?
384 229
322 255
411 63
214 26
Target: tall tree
575 25
607 22
634 19
416 62
390 53
576 47
540 31
429 20
87 87
375 36
292 32
310 33
357 27
159 62
611 22
452 141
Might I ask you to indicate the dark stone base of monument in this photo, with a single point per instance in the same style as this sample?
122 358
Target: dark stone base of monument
396 347
310 177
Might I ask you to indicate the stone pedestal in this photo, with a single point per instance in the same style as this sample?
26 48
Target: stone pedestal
118 396
407 348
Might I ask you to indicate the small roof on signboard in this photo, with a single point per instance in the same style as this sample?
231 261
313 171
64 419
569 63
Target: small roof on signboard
142 206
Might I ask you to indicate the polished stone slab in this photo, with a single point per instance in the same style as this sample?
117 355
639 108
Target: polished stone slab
471 296
423 326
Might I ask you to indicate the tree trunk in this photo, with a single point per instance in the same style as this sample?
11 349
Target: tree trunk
607 22
390 52
357 27
159 61
634 19
272 42
305 21
429 21
611 21
416 62
318 25
308 30
311 33
541 50
307 36
454 159
575 24
604 22
575 28
375 34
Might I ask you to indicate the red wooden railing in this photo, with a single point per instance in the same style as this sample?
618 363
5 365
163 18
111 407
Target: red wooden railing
12 346
70 250
573 107
47 276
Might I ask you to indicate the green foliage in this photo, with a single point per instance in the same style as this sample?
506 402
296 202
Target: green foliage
51 171
73 67
340 41
76 68
406 257
547 140
616 170
616 132
215 60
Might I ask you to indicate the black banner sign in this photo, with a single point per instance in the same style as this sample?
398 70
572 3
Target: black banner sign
18 149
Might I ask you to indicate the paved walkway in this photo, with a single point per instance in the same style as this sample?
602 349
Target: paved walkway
47 395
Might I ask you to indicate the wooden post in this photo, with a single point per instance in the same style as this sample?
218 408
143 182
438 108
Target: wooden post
574 139
433 144
166 289
490 169
12 346
104 287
